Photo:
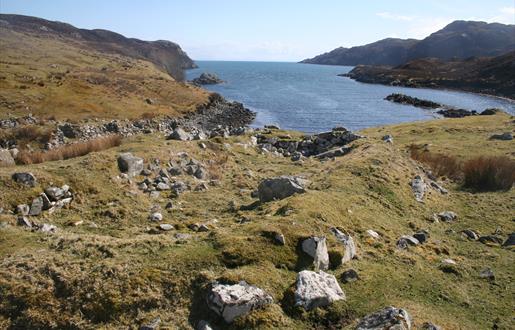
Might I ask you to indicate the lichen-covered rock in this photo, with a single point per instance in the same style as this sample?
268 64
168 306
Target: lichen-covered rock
180 134
232 301
389 318
349 248
37 206
316 290
405 241
316 248
128 163
280 188
418 187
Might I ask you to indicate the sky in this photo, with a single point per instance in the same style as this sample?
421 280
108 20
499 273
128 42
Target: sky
265 30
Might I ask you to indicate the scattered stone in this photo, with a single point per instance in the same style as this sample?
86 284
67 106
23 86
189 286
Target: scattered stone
129 164
470 234
316 290
182 236
447 216
156 216
488 274
203 325
152 325
280 188
507 136
180 134
349 276
37 206
491 239
449 266
373 234
279 239
232 301
169 206
439 188
54 193
510 241
349 247
47 228
24 221
387 138
421 236
203 228
405 241
25 178
316 248
201 187
6 159
154 194
336 152
161 186
166 227
430 326
418 187
22 209
448 262
386 318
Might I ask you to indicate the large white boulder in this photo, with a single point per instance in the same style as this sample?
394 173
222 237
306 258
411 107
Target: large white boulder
232 301
127 163
317 289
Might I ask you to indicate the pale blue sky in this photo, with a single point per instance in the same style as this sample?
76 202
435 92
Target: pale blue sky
269 30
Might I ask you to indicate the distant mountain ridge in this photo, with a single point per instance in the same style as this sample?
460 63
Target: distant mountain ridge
166 55
459 39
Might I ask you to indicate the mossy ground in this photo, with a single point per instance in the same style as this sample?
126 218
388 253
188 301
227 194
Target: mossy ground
110 272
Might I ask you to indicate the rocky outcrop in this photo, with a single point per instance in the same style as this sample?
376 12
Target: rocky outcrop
409 100
386 318
316 290
207 79
232 301
506 136
456 113
322 145
280 188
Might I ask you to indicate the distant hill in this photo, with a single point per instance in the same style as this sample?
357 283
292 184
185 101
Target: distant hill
166 55
460 39
490 75
386 52
54 70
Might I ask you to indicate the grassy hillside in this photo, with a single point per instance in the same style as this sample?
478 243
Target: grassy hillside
112 271
55 77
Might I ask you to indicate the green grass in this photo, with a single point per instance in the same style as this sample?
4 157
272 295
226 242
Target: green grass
116 274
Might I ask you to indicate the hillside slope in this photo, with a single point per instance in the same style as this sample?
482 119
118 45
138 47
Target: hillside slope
460 40
489 75
52 69
109 266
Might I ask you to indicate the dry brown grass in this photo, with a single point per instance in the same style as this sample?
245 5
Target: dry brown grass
441 165
489 173
27 134
70 150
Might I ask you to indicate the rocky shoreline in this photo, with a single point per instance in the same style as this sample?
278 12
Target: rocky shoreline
217 117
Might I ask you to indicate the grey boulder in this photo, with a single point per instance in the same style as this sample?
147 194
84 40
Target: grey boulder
25 178
180 134
510 241
389 318
316 248
232 301
280 188
349 248
6 159
130 164
316 290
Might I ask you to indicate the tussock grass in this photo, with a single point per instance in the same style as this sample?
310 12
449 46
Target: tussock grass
442 165
70 150
489 173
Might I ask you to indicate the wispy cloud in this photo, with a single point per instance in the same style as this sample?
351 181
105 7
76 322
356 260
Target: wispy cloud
395 17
